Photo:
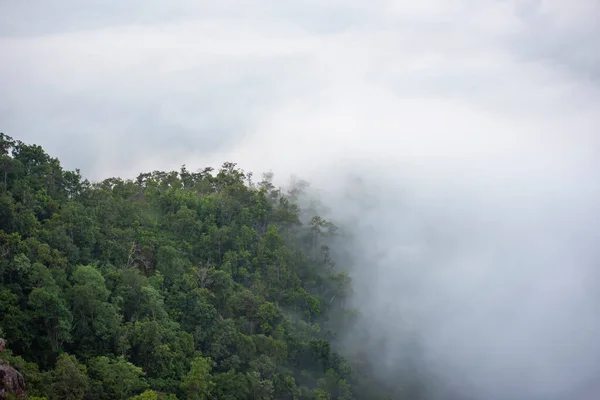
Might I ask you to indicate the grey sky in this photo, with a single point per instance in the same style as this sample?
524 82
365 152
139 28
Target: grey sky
121 83
474 123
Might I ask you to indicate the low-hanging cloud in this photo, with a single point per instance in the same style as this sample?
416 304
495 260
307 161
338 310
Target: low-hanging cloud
471 125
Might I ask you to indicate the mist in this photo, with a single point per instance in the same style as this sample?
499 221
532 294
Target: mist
475 265
474 238
497 289
455 144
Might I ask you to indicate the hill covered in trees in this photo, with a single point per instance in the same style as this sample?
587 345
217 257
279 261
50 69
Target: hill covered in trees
175 285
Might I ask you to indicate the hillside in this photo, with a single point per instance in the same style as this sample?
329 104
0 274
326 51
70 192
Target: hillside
187 285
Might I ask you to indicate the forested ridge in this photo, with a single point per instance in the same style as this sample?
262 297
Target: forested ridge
173 285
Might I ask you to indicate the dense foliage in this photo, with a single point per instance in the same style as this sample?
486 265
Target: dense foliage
175 285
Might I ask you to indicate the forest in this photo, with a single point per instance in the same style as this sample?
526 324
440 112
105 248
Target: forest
174 285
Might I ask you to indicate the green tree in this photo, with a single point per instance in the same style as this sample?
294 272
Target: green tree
95 318
69 379
320 394
230 385
198 383
114 378
260 389
152 395
49 311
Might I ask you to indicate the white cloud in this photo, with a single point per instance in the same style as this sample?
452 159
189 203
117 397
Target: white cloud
474 123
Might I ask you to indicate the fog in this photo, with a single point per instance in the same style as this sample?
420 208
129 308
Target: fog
475 236
498 288
475 255
455 142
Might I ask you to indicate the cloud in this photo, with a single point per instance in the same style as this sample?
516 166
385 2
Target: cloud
473 126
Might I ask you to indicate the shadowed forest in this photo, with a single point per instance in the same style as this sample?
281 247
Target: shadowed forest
174 285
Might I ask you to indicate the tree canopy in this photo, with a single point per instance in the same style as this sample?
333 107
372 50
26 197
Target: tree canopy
174 285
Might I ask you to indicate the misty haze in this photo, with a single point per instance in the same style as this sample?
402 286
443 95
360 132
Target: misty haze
369 200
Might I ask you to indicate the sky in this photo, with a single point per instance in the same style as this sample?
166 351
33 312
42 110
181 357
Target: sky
460 137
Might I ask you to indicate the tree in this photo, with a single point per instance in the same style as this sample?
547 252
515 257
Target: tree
198 384
152 395
49 311
160 348
147 395
230 385
94 317
115 378
320 394
69 379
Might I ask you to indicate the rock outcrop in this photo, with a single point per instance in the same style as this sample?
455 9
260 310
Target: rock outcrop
11 380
